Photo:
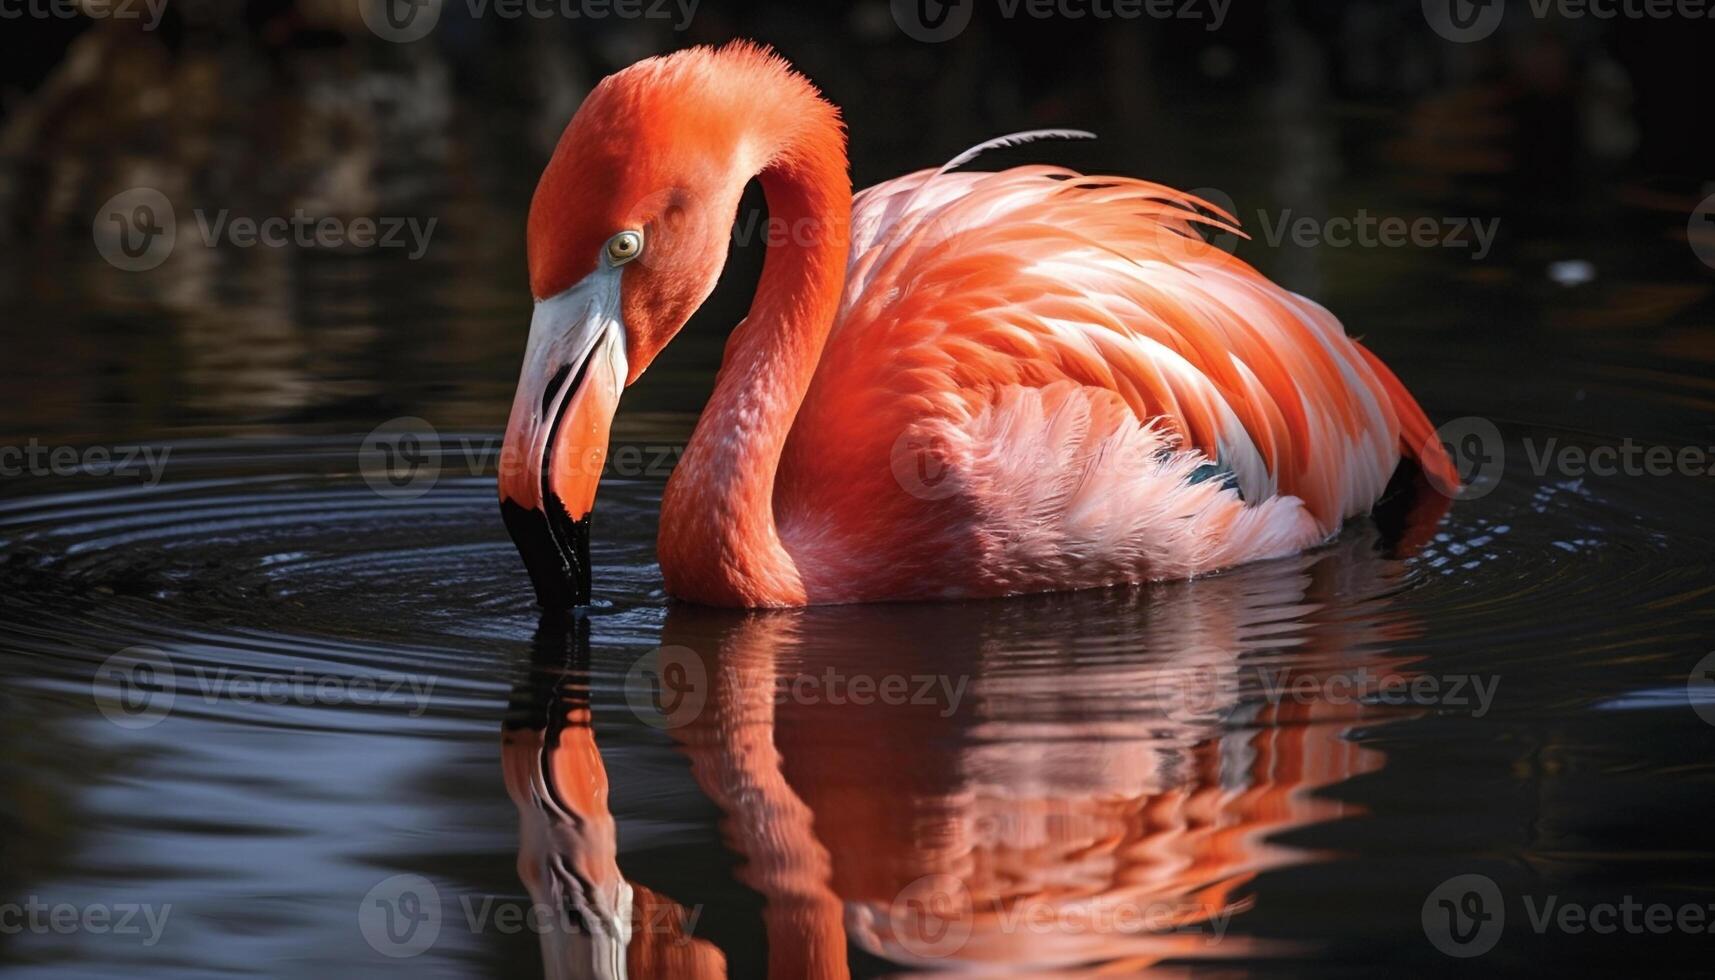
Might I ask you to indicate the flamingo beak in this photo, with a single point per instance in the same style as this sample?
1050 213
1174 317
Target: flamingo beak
556 439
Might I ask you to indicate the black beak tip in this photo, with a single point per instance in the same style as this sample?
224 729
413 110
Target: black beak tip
555 549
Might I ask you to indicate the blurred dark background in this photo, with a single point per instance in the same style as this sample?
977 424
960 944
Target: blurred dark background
1584 137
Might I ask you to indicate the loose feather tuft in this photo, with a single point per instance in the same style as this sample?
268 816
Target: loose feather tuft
1012 139
999 142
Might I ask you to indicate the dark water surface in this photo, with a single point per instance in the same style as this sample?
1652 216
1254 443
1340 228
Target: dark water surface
311 716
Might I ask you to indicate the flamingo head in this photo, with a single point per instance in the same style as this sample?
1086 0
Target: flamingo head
628 232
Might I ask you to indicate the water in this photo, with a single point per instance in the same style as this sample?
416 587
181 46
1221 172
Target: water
311 723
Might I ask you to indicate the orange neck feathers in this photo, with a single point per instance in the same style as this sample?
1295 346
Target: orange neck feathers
718 534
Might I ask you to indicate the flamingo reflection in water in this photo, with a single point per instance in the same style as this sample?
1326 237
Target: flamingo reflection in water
1066 783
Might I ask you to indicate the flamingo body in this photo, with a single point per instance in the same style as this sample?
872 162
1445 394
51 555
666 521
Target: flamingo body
1038 381
984 384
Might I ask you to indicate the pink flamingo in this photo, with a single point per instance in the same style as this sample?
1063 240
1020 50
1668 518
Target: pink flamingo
951 384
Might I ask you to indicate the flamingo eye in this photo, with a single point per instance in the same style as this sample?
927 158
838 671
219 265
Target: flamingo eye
624 247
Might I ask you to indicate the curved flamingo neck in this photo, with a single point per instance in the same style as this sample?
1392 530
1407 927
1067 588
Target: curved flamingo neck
718 541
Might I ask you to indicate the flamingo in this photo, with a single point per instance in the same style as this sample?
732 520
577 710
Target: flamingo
952 384
1059 812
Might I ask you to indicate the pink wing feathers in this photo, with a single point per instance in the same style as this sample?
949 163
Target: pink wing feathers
1051 377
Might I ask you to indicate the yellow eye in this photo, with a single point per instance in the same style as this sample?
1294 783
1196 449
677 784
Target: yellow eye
624 247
